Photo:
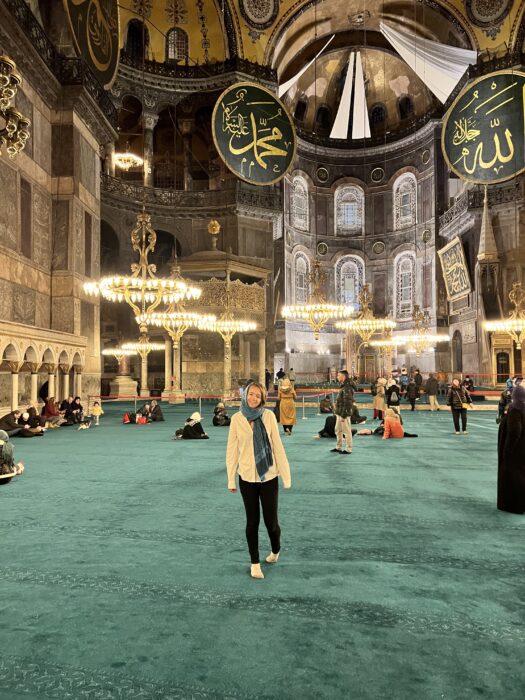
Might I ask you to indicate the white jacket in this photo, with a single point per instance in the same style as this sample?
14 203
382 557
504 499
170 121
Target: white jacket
240 457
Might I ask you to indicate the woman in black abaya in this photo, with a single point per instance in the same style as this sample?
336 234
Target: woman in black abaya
511 455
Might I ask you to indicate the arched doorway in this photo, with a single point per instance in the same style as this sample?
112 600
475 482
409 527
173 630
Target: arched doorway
502 367
457 352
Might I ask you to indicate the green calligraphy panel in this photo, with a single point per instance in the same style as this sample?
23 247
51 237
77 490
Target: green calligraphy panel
95 28
483 138
253 133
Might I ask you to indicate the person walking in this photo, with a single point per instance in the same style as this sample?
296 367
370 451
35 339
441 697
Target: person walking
379 398
287 411
459 400
343 412
431 387
418 379
412 394
393 393
511 456
267 378
256 454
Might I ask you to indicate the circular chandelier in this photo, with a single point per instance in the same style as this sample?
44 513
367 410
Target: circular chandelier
143 346
118 353
227 326
366 324
14 127
127 160
421 339
177 322
514 325
143 290
316 311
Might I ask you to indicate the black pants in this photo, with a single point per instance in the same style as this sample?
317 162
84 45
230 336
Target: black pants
456 413
267 492
413 403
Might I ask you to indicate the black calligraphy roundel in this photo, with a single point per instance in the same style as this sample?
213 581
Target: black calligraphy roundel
253 133
95 28
483 138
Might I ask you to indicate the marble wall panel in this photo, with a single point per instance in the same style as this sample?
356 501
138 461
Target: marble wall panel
41 228
88 166
60 234
63 314
6 300
24 305
9 208
41 130
63 160
5 389
78 237
42 310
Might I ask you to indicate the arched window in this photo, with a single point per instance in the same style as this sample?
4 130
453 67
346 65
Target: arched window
300 110
350 209
299 204
301 278
377 115
405 201
176 45
404 284
323 118
349 279
405 107
137 39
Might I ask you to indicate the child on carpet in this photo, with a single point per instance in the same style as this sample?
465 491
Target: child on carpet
96 412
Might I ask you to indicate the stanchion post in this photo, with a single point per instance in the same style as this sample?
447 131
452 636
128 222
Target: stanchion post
318 404
304 417
200 405
135 402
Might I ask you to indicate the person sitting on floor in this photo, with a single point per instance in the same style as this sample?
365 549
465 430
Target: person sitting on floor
326 405
145 412
74 413
35 419
394 425
355 416
51 413
65 404
220 417
8 468
192 429
26 424
155 412
328 430
9 423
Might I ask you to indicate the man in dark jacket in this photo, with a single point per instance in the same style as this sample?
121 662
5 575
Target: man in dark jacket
431 387
343 411
9 423
418 379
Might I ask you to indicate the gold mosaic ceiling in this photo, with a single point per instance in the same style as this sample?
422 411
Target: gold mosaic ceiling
282 33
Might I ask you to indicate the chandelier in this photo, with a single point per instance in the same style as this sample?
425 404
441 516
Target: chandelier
14 127
143 290
127 160
316 311
176 321
118 353
421 339
514 325
366 324
143 346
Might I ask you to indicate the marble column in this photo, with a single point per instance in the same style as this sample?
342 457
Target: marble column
227 383
78 380
167 367
262 359
150 121
247 359
186 127
15 369
34 382
144 389
65 380
123 384
51 369
177 395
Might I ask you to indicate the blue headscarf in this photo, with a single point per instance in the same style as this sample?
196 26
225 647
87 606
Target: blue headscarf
518 397
261 443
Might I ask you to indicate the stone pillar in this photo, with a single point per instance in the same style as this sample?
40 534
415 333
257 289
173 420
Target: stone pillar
177 396
167 367
186 127
247 358
227 367
65 385
78 380
262 359
34 382
15 369
123 384
144 389
51 369
150 121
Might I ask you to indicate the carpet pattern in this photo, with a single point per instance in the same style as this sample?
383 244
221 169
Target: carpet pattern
125 570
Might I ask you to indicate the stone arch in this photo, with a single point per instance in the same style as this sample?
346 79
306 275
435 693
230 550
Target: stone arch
349 278
404 284
404 195
49 356
63 358
11 353
30 354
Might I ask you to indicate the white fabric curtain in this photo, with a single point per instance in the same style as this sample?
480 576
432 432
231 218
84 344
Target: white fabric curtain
360 122
288 84
340 126
439 66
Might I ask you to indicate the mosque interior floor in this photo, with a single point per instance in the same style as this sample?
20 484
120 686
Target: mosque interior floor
124 569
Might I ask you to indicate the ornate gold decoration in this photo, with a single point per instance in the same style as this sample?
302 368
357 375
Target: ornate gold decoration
143 346
118 353
514 325
127 160
14 127
316 312
366 324
176 321
421 339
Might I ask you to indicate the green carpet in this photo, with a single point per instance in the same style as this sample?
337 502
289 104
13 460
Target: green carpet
124 569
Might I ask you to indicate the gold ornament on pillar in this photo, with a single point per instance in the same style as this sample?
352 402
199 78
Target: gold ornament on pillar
14 127
514 325
214 229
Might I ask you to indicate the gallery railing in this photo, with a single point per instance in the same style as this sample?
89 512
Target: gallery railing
473 199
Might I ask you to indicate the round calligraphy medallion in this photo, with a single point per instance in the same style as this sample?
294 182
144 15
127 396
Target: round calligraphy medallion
377 175
483 137
378 247
322 174
95 28
253 133
322 248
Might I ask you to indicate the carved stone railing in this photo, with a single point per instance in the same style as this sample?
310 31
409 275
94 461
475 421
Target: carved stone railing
68 71
473 199
234 193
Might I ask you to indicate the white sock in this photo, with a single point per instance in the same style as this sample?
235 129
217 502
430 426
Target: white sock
256 571
272 558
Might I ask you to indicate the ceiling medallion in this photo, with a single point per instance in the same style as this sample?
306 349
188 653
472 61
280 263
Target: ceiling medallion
378 247
377 175
322 248
425 157
259 14
488 14
322 175
358 19
426 235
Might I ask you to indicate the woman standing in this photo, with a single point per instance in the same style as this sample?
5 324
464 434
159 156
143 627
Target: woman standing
379 398
287 413
459 400
256 453
511 455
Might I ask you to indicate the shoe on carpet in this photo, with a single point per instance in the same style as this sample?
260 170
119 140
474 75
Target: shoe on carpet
465 432
457 432
346 452
256 571
316 437
272 558
335 450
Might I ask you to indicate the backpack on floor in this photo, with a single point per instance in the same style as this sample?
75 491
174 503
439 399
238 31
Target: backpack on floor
129 418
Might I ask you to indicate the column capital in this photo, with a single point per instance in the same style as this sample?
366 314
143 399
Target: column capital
150 120
50 367
64 368
14 366
78 368
33 367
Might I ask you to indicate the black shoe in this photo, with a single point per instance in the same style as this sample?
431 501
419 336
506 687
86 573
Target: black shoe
345 452
335 450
